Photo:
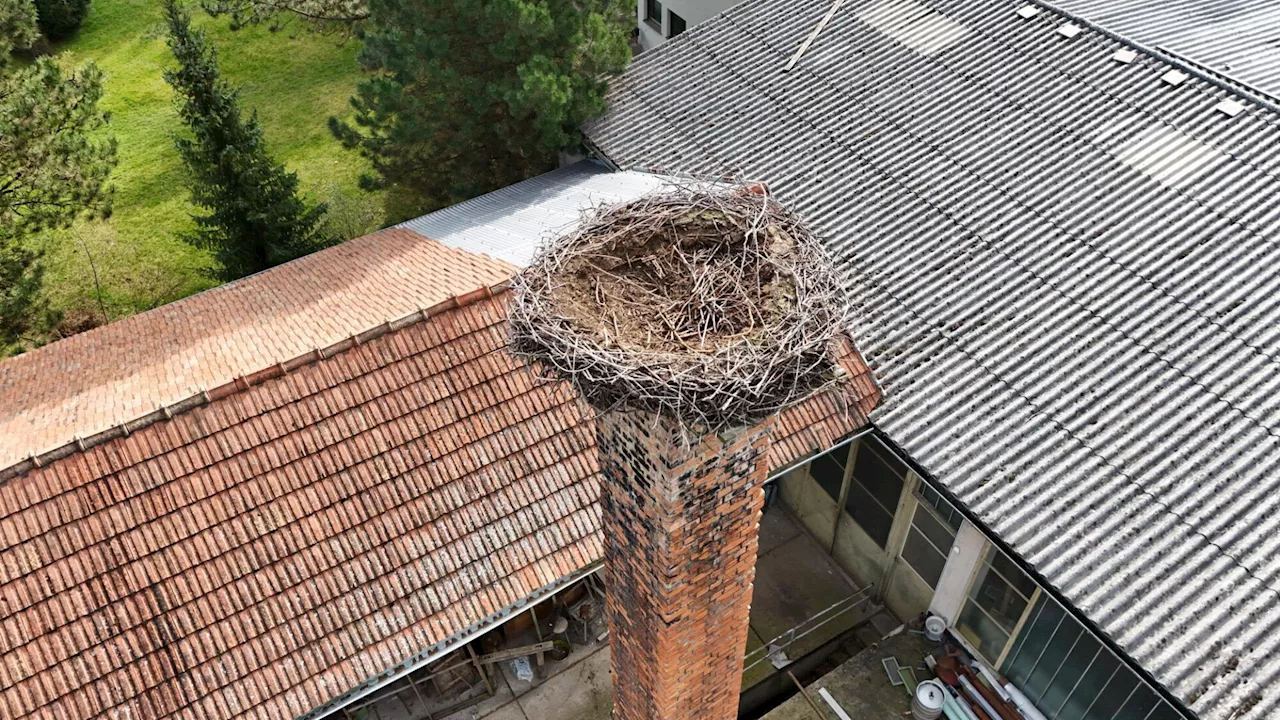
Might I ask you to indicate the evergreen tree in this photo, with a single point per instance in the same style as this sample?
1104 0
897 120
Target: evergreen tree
54 163
60 19
472 95
254 217
323 15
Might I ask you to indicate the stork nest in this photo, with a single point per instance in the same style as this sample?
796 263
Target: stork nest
715 306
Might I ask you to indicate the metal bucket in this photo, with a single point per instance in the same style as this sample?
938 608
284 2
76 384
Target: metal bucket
926 703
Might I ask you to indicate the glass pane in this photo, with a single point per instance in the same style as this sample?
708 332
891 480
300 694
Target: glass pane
653 11
1071 672
985 635
677 25
1033 639
1051 659
828 470
1165 711
1095 679
932 528
878 475
1001 602
949 514
868 514
1142 702
1108 702
1013 573
923 557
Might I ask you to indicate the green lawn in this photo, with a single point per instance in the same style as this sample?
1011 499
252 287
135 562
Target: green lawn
294 80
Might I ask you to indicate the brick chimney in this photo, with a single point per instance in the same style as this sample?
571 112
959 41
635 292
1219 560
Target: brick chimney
688 320
681 526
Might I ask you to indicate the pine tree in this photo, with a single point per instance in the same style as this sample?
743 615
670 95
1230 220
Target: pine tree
60 19
54 163
253 216
472 95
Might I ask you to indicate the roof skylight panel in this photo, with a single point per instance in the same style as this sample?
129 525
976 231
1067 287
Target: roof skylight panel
914 25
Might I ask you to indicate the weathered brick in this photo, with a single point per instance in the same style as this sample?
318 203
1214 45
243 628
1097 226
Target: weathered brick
681 525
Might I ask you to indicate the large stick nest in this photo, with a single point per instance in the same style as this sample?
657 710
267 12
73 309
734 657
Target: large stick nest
715 306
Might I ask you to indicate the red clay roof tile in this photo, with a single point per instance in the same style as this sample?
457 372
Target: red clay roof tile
260 555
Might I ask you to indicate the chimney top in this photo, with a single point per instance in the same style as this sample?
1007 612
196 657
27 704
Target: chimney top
713 305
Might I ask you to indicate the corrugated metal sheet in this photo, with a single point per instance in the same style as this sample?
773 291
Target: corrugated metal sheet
1238 38
1077 333
509 224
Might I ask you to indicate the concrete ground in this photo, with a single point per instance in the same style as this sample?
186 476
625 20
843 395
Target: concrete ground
795 580
860 686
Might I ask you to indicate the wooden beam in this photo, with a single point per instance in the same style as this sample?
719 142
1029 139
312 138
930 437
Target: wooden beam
513 653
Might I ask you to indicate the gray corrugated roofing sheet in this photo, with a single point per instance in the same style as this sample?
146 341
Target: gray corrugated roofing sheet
1067 272
1238 38
508 224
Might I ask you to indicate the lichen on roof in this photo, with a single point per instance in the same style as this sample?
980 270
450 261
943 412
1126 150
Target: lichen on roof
714 304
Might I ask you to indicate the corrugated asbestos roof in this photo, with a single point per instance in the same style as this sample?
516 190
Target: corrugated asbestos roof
1066 269
509 224
1238 38
303 533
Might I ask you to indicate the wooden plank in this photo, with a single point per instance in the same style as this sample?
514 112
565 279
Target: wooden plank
513 653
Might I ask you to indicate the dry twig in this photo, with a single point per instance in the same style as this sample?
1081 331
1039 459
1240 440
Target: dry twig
712 304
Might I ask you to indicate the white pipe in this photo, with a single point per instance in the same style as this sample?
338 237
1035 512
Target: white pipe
954 710
977 697
835 706
962 705
991 679
1028 710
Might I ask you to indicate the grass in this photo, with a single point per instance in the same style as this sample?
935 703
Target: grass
294 80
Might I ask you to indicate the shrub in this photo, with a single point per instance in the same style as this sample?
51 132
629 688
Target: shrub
60 19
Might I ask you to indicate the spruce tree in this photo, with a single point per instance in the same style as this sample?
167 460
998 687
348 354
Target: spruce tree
471 95
54 163
253 217
60 19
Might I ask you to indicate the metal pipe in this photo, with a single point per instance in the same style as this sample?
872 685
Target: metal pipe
972 692
816 710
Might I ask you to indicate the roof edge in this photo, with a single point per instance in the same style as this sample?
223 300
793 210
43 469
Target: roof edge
1218 79
245 382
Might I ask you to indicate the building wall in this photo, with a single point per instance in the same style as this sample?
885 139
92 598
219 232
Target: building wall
653 34
934 559
827 493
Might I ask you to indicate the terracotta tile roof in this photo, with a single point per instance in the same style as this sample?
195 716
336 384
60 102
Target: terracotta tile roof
118 373
267 552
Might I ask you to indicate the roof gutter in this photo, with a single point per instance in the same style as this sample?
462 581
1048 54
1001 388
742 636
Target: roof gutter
448 645
1042 581
473 633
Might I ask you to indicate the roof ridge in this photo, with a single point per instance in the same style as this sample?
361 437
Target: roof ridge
244 382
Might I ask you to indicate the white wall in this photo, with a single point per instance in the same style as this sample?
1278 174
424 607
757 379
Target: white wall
693 12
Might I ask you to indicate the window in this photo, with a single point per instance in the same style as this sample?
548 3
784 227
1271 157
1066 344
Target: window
949 514
998 597
677 25
874 489
828 470
1069 675
653 14
930 537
